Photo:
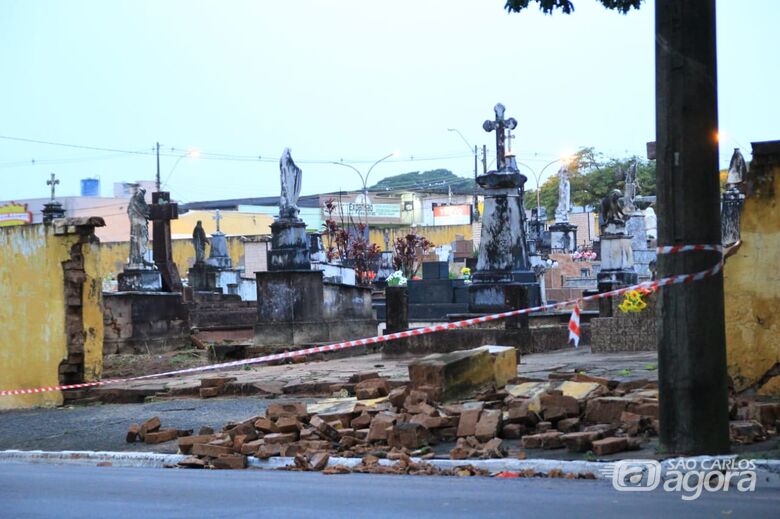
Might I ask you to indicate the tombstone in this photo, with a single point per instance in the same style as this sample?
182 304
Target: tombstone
563 235
732 199
161 212
295 306
289 245
215 274
636 226
617 255
139 275
503 277
52 209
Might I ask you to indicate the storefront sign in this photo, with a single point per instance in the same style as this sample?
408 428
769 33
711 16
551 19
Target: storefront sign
14 214
452 215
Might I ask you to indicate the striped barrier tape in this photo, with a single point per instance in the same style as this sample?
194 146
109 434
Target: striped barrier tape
648 285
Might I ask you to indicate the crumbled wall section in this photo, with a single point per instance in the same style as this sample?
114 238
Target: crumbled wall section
41 326
752 280
83 313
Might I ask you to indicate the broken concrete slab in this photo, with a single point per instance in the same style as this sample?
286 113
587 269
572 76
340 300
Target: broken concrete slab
447 376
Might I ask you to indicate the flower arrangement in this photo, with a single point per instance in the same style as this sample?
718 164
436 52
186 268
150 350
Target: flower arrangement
584 255
396 279
633 301
466 273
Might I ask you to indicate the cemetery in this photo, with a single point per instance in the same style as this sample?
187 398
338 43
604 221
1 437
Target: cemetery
457 391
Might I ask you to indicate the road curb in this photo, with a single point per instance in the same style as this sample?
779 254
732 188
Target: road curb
767 471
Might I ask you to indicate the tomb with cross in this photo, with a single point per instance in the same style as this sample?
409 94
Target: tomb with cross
503 278
216 274
161 212
52 209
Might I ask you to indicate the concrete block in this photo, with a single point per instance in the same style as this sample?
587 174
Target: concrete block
447 376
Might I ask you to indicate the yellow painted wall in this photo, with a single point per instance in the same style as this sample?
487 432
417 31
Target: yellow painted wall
752 295
113 255
32 317
232 223
439 235
92 312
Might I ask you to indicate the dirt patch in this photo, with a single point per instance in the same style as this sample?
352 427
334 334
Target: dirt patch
122 365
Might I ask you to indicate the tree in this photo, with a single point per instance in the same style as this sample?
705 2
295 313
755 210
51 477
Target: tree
592 177
566 6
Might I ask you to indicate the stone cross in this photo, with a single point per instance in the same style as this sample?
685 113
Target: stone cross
53 182
217 217
499 125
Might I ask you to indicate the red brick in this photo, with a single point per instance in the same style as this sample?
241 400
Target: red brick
210 392
324 428
522 415
397 396
467 425
513 431
552 403
251 447
229 461
319 460
161 436
244 429
361 422
266 426
645 409
409 435
151 425
191 462
489 425
605 409
287 424
280 438
372 388
293 409
568 425
548 440
609 446
186 442
216 381
365 375
579 441
132 432
205 449
379 424
582 377
631 385
746 431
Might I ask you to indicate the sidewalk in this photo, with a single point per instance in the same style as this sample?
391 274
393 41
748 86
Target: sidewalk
321 378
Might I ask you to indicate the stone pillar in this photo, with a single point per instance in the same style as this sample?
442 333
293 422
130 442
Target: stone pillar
289 245
396 309
289 309
729 215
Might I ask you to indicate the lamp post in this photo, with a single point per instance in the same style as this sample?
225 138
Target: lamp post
191 153
469 146
537 178
364 179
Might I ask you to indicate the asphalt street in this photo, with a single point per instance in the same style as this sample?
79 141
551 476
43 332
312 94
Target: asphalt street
64 491
104 427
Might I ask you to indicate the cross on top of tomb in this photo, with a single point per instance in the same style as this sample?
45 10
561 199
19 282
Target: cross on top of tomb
217 217
52 182
500 125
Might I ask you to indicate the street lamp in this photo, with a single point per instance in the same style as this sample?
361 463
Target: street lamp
537 178
191 153
469 146
364 179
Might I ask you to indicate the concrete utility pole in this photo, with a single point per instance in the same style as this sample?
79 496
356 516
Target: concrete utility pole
157 179
691 339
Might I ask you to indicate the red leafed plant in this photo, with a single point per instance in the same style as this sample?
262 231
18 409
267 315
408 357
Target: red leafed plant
408 252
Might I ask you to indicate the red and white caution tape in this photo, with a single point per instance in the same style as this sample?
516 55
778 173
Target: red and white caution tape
651 285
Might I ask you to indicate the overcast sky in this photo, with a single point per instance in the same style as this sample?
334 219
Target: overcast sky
350 80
